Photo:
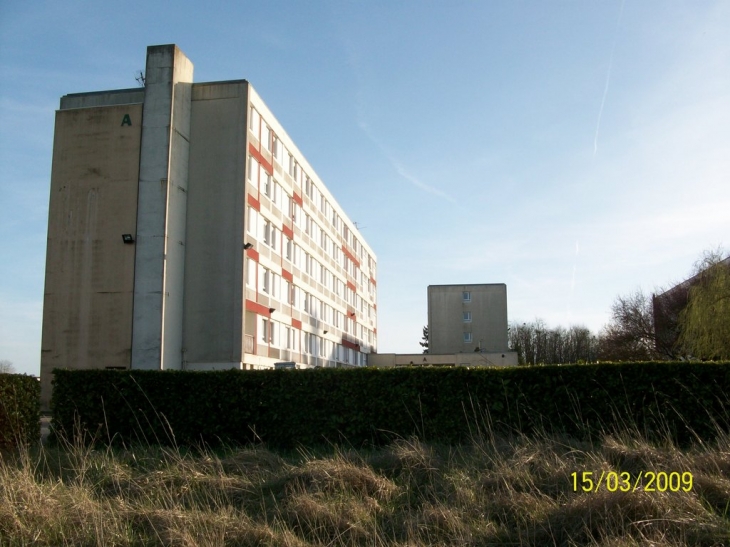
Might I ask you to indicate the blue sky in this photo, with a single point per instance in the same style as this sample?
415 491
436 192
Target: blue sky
574 150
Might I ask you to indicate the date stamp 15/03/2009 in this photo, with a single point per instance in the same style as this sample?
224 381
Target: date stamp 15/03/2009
646 481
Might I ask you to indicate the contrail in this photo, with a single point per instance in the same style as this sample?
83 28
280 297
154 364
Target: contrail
365 127
608 79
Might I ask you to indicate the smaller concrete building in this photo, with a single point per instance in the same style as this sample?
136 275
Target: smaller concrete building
467 318
467 326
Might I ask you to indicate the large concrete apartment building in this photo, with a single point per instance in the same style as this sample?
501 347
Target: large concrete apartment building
187 231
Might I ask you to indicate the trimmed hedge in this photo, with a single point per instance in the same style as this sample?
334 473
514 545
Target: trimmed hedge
20 410
371 406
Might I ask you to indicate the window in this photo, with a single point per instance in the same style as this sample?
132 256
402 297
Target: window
267 281
264 330
297 256
467 337
274 237
275 280
466 295
255 123
253 217
467 317
250 272
253 172
266 137
286 207
278 150
273 335
288 253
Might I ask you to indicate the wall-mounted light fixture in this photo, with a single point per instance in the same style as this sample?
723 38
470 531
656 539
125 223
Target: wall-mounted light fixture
127 238
326 331
352 314
272 310
248 245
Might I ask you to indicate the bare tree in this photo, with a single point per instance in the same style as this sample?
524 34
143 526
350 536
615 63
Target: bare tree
630 334
6 367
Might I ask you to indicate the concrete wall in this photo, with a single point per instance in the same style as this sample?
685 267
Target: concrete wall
506 359
162 202
488 326
87 311
214 314
102 98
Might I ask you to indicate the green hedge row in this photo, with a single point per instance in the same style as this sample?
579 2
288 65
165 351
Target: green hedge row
370 406
19 410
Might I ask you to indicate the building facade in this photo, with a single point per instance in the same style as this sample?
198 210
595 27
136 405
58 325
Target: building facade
467 318
187 231
667 307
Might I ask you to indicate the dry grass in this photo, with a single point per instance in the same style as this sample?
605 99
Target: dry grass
495 491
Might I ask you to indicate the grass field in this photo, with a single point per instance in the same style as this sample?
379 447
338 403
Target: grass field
496 490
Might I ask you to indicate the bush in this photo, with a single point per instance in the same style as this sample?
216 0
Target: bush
371 407
19 410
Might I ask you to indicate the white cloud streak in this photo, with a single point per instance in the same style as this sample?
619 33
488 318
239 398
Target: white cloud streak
608 79
365 127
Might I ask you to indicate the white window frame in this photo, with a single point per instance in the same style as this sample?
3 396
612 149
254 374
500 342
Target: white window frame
266 137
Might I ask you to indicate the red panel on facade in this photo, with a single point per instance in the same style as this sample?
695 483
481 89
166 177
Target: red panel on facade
253 202
296 323
350 345
258 308
288 232
262 160
351 256
252 253
373 280
287 275
351 286
298 199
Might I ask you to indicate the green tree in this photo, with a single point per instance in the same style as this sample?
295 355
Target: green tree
704 324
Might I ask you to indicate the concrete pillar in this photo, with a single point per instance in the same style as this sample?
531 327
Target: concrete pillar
161 210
